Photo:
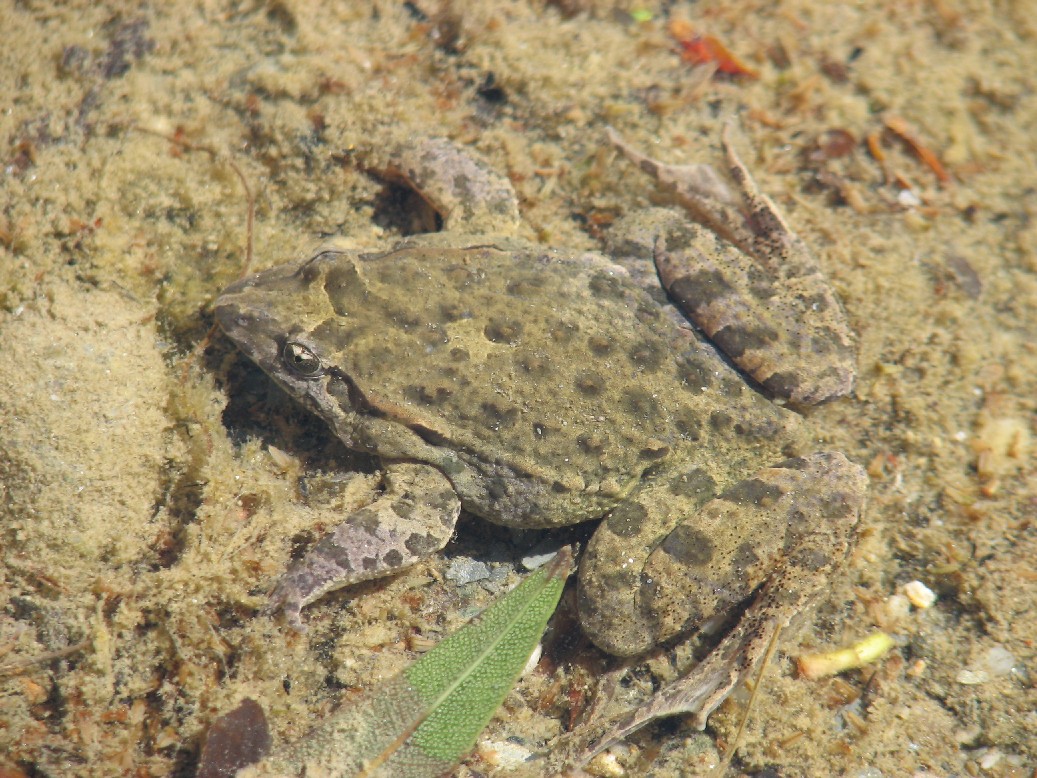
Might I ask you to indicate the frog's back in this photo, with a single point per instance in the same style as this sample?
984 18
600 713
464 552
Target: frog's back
532 358
545 373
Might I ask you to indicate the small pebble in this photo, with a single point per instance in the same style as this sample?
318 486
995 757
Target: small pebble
916 668
990 759
606 765
971 677
534 659
504 754
236 739
896 608
282 460
999 661
920 595
538 556
464 570
908 198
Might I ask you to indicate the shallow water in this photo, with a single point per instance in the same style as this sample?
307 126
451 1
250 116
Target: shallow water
144 515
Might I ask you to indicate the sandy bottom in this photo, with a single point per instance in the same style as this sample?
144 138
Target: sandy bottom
144 516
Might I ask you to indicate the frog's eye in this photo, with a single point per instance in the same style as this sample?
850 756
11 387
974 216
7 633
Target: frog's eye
301 360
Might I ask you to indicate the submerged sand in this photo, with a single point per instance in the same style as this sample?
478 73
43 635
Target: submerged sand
144 516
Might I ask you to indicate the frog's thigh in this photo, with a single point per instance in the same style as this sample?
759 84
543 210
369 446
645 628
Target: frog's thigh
776 316
611 579
412 519
791 522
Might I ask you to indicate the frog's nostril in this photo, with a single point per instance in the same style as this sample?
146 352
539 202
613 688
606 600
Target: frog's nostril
228 315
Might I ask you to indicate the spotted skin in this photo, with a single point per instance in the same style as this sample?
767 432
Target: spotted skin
473 198
707 554
538 387
750 282
414 517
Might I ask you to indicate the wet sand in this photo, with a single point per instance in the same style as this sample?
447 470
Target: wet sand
144 517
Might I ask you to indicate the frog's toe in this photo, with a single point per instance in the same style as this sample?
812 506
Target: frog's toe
748 281
287 599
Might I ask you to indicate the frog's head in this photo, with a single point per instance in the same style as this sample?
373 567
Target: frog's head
279 319
317 329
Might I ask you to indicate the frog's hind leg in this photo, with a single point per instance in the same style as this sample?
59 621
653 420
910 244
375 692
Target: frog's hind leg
751 283
773 539
411 520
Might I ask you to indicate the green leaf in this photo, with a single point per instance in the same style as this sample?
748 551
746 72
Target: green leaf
423 721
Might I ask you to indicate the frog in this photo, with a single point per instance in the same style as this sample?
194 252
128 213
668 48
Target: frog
541 387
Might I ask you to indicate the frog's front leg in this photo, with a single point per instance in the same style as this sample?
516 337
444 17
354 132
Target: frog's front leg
467 193
777 536
411 520
750 282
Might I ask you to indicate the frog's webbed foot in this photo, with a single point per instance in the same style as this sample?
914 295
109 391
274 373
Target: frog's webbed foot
411 520
698 693
751 283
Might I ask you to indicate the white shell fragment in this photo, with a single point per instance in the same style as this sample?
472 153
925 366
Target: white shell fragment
920 595
504 754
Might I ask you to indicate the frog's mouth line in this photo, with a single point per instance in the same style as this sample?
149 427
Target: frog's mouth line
361 403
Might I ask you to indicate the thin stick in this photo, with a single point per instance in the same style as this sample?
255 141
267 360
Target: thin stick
729 755
25 664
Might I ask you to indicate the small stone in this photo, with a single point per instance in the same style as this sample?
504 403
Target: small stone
971 677
504 754
464 570
990 759
534 660
920 595
896 609
236 739
606 766
539 554
908 198
996 662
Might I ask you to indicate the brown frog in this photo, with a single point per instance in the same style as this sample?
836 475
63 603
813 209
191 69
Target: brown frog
540 387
